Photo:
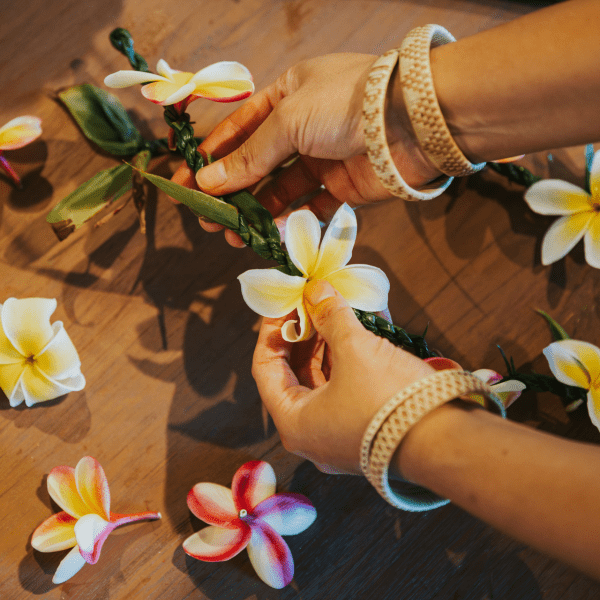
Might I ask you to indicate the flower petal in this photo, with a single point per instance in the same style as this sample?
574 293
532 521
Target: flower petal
224 91
270 556
593 405
19 132
213 504
180 94
222 71
563 234
487 376
364 287
26 323
271 293
163 68
92 486
10 382
574 362
510 385
91 532
440 363
338 242
55 533
557 197
287 513
591 242
213 544
302 236
9 355
123 79
59 359
252 483
38 387
307 329
63 490
159 91
595 176
69 566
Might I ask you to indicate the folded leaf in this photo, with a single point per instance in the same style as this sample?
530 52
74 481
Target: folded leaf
199 203
90 198
103 119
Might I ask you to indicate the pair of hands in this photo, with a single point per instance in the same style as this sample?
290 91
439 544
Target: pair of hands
321 393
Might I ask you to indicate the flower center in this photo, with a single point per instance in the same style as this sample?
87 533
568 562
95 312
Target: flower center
596 207
243 513
30 360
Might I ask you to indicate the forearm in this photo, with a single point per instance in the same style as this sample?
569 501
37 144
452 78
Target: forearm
527 85
540 489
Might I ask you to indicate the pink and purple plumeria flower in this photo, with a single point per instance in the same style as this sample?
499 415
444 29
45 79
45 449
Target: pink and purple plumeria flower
249 515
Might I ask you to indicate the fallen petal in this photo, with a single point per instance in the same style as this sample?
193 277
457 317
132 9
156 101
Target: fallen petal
270 556
92 486
287 513
91 532
564 358
69 566
557 197
63 490
271 293
55 533
10 382
563 234
59 359
38 387
8 353
19 132
214 544
213 504
252 483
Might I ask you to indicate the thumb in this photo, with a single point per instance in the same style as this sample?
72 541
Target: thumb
332 316
264 150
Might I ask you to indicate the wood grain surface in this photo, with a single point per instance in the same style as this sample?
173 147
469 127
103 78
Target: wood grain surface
166 340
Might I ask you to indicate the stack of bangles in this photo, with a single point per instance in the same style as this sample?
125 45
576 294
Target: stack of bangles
391 423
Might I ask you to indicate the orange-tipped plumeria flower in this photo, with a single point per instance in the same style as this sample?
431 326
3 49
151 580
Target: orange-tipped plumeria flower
225 81
86 520
15 134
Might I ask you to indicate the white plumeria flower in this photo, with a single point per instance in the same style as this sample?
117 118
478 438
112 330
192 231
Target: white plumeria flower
225 81
581 216
578 363
38 361
508 391
274 294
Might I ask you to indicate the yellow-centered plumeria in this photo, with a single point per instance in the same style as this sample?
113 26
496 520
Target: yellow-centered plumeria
273 294
38 361
578 363
224 81
581 215
15 134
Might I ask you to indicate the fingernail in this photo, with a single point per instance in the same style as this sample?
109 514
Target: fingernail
318 290
211 176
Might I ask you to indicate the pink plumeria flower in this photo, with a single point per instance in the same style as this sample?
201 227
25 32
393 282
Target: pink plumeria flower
225 81
86 520
15 134
250 515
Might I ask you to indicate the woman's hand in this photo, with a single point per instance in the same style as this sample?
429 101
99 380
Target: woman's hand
323 393
313 110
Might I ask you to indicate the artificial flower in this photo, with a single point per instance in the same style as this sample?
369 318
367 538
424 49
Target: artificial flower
38 361
15 134
272 293
224 81
578 363
85 521
581 215
250 515
507 391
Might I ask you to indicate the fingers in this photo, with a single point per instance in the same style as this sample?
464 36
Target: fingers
277 384
307 362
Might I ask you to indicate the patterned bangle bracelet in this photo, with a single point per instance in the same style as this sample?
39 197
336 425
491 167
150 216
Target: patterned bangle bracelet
422 105
378 150
391 423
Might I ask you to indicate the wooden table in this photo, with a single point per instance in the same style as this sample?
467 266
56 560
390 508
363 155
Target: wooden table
166 340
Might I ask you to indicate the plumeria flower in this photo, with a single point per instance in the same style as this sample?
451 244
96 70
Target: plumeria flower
581 216
274 294
15 134
85 521
578 363
225 81
38 361
250 515
507 391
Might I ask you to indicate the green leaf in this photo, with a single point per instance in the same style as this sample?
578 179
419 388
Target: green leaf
103 119
558 333
255 213
589 158
199 203
89 199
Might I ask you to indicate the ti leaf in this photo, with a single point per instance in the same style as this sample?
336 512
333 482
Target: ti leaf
89 199
199 203
558 333
103 119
